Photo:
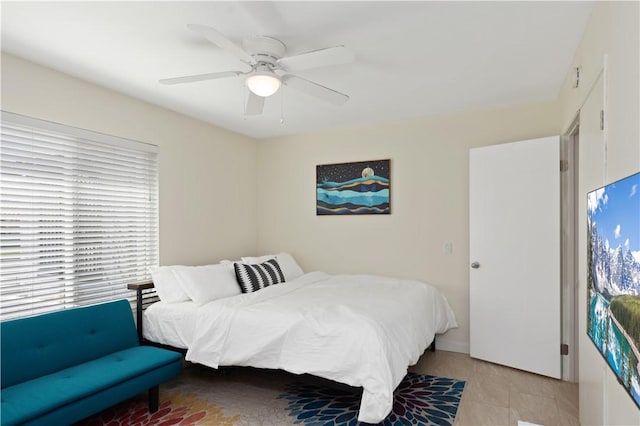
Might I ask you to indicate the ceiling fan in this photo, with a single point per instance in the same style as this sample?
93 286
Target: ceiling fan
267 68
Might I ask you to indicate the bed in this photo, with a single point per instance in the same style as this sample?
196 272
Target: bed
360 330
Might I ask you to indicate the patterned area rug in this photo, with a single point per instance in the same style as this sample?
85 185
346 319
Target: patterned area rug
419 400
246 397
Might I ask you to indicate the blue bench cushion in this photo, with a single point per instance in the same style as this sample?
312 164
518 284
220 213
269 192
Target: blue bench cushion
39 396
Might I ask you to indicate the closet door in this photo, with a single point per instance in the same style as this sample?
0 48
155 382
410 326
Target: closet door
514 237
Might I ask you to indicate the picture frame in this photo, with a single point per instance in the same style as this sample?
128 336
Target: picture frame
355 188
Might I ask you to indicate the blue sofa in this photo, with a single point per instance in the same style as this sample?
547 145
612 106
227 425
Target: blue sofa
61 367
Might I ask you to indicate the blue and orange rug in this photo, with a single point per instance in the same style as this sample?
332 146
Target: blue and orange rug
244 396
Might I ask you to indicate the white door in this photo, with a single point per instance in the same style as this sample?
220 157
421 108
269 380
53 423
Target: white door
514 232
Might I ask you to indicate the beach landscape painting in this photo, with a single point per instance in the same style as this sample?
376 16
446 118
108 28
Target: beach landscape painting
356 188
613 278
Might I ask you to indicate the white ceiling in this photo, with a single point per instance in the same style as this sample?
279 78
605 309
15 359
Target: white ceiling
413 59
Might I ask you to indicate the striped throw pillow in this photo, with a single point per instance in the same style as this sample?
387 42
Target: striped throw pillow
255 277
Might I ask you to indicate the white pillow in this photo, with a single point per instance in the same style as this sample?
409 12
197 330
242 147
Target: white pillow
166 284
259 259
287 263
209 282
289 266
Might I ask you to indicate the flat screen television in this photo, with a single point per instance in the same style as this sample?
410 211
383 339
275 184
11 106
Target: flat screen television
613 278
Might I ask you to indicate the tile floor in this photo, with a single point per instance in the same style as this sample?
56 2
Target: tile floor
496 395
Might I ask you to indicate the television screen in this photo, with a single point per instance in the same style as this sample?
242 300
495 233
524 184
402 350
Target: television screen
613 278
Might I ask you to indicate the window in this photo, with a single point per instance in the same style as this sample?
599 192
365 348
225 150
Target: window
78 216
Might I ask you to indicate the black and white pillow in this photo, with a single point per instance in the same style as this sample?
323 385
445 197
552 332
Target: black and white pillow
255 277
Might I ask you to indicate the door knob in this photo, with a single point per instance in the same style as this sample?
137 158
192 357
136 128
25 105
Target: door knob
475 265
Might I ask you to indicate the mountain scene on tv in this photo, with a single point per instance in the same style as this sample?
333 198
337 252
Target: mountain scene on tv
613 281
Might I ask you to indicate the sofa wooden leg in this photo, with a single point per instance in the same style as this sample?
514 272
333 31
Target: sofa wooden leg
154 398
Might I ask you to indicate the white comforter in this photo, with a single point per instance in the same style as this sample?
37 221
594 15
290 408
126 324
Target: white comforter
359 330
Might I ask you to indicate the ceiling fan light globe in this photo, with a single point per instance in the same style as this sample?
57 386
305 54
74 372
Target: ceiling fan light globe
263 84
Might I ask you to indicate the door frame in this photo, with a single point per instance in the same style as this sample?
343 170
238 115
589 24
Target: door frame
569 146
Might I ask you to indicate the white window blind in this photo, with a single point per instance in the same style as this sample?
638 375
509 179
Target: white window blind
78 216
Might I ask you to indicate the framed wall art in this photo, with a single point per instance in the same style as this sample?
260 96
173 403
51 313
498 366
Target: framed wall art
353 188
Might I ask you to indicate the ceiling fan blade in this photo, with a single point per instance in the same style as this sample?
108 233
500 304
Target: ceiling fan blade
314 89
317 58
221 41
199 77
254 105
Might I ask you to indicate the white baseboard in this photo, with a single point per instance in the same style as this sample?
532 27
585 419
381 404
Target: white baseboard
452 346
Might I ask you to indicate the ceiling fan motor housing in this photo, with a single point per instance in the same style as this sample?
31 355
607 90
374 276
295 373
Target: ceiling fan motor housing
264 49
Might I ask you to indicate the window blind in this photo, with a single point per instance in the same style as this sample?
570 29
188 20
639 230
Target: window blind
78 216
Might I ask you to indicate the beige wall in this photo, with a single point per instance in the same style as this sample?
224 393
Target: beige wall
613 30
207 175
429 198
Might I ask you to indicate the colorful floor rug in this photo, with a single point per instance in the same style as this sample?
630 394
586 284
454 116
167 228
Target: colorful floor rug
246 397
419 400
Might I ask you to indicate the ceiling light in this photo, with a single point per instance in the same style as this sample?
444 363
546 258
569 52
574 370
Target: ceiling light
263 83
